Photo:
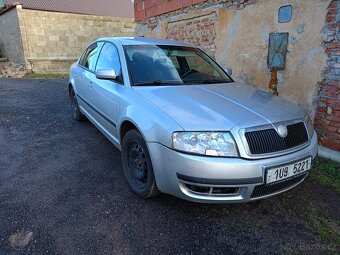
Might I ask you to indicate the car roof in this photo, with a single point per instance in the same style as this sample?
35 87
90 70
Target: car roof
145 41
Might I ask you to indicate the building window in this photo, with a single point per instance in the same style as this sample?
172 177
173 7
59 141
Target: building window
285 13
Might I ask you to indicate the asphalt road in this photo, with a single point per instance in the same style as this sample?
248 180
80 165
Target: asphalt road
62 191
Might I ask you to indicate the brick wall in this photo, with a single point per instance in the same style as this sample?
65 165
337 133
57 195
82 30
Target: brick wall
151 8
236 32
199 31
10 43
327 117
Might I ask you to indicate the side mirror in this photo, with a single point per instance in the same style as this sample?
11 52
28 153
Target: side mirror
228 70
106 74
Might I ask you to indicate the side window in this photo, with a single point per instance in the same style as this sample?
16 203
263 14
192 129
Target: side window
109 58
198 63
90 57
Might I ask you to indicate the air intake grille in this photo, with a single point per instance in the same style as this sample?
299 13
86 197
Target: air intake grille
268 140
264 190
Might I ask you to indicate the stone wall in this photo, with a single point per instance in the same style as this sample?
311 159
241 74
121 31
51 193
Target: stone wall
52 40
10 39
327 117
238 37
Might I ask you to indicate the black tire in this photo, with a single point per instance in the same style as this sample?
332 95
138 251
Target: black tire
77 115
137 165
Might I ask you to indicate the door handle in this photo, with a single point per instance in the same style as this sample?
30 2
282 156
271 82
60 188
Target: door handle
91 84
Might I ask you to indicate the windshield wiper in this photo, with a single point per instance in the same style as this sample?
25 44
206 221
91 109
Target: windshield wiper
207 81
158 82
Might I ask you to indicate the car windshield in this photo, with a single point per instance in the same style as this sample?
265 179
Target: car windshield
157 65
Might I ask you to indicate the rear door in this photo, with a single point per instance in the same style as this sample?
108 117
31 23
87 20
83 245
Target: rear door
106 93
86 75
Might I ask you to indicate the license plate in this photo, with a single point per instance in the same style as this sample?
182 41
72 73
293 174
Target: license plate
287 171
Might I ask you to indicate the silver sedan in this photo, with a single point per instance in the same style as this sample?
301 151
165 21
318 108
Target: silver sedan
183 125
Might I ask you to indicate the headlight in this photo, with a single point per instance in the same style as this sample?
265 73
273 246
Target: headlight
309 124
205 143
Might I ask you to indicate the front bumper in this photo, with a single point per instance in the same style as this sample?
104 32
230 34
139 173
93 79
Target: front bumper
239 179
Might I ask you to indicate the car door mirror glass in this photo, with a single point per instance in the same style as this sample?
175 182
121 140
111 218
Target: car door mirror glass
106 74
228 70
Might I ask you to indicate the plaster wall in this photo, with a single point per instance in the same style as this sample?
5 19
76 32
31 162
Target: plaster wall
10 39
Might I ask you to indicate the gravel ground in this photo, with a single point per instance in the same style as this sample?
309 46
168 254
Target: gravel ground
62 191
12 70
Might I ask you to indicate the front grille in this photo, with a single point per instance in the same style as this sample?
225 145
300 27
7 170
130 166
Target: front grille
268 140
264 190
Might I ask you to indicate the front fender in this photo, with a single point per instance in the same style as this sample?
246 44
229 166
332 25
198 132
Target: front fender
154 125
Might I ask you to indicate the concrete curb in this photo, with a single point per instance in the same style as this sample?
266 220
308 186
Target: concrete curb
329 154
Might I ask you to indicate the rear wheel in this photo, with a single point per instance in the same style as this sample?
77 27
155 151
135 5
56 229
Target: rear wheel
77 115
137 165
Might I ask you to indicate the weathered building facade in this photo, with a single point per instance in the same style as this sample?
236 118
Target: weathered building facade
286 46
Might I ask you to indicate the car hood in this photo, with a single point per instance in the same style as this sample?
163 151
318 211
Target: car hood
219 107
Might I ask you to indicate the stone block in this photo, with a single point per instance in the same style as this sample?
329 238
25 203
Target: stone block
40 44
53 37
37 31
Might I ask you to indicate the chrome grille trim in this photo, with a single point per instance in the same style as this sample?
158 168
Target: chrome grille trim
269 141
273 126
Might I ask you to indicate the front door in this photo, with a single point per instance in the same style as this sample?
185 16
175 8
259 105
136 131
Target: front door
106 93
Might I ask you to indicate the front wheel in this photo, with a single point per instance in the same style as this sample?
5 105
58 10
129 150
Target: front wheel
137 165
